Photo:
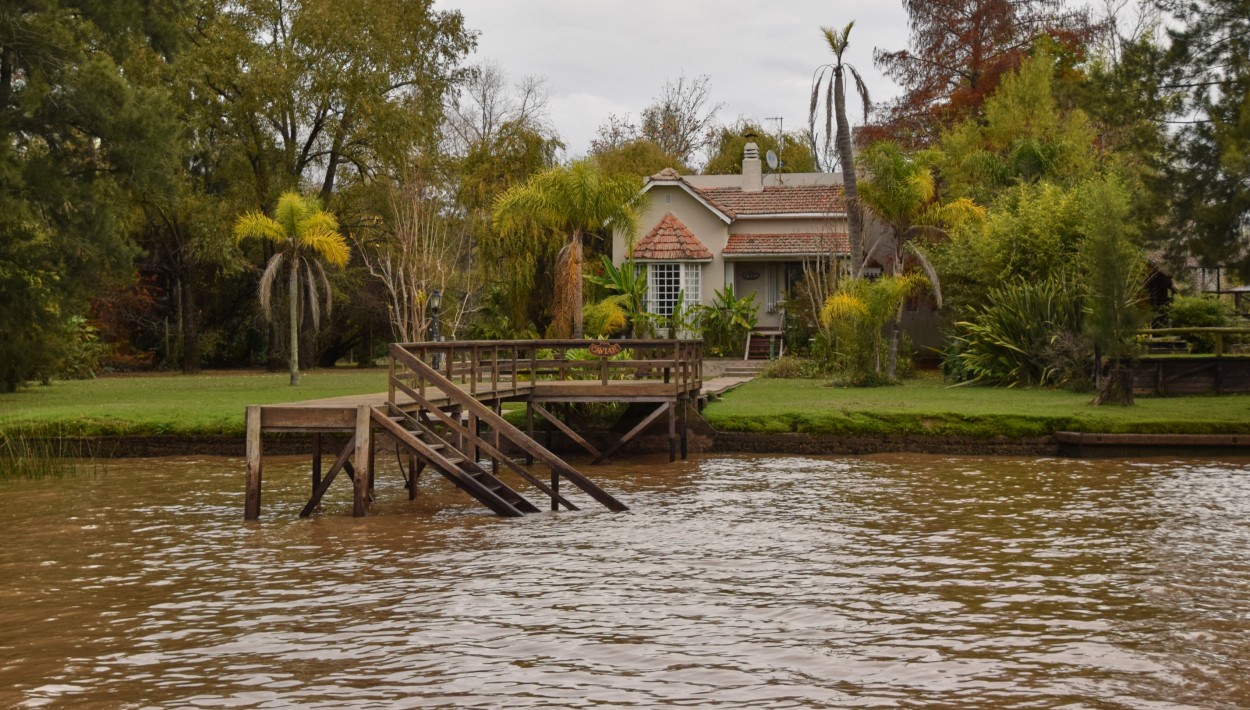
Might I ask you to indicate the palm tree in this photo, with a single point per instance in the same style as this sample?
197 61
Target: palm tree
570 202
832 79
302 233
901 192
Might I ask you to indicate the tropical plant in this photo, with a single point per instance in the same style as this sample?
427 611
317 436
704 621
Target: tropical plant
573 201
727 321
902 193
605 318
832 78
1011 339
855 316
302 235
629 286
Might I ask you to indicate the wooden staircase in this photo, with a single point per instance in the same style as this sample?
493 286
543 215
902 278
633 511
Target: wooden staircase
415 430
437 453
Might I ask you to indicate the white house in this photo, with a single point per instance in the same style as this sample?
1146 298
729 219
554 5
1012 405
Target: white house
699 233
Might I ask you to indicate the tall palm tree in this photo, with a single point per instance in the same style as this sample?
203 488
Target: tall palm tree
303 235
570 201
831 78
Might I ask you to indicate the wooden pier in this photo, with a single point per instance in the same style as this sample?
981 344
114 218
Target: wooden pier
443 407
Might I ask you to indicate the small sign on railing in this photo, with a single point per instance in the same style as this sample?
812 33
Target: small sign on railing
604 348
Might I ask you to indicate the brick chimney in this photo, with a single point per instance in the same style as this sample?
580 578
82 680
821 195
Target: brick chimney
752 174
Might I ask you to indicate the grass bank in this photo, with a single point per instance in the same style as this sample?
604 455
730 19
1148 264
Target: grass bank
210 403
927 406
213 404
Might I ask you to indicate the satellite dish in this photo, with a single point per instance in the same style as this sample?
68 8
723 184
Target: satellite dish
771 157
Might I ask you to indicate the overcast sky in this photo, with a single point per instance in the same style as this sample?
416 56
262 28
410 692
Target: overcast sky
601 57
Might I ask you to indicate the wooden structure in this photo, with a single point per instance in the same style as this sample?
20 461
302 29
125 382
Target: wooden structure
443 406
1182 374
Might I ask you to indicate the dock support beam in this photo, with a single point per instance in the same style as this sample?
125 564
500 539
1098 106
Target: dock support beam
251 505
364 452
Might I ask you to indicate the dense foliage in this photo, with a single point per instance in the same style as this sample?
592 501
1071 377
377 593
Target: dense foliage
1033 146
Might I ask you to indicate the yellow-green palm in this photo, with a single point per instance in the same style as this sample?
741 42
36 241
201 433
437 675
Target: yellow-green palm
570 201
303 235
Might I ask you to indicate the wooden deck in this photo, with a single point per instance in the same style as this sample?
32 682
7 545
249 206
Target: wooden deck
443 405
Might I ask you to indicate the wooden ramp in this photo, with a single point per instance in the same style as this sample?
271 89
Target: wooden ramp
443 405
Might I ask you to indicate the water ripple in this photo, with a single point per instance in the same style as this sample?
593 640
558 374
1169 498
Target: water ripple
891 581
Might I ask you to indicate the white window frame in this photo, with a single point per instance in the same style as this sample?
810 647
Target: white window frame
683 277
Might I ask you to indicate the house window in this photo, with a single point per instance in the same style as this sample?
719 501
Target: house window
665 280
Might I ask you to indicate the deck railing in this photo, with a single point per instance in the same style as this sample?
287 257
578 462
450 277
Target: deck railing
1216 333
503 367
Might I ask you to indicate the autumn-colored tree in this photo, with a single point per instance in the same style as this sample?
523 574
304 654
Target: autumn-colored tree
959 51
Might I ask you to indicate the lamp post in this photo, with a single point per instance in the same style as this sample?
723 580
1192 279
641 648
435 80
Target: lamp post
434 303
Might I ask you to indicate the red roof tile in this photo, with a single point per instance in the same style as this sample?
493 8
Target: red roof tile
796 199
797 244
670 240
667 174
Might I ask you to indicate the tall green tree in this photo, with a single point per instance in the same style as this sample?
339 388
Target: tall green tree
1209 174
832 79
83 130
570 203
309 101
303 235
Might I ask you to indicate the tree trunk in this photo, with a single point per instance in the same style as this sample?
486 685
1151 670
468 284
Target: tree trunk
293 296
575 265
854 220
1116 386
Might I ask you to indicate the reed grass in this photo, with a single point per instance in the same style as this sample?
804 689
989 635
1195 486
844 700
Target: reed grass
29 457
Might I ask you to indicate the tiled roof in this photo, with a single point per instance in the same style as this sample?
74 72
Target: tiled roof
667 174
671 240
797 199
801 243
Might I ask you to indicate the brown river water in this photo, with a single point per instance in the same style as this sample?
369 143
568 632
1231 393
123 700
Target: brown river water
888 581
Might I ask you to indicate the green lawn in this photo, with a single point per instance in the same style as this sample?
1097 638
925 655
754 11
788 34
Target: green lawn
929 406
214 404
210 403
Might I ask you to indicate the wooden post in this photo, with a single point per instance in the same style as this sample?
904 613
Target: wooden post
364 450
470 443
494 462
672 432
685 447
316 465
390 379
251 505
412 476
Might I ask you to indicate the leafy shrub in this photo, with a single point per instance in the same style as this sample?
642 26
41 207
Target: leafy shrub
792 368
1199 312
